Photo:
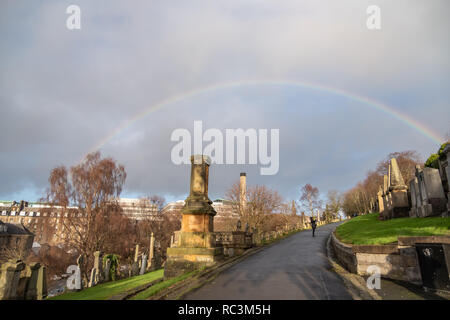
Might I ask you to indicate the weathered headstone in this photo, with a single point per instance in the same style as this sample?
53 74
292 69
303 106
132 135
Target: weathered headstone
33 275
107 269
444 170
432 197
143 264
380 201
92 278
98 266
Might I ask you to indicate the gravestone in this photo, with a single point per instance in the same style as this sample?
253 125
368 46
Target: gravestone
32 275
380 200
444 170
431 193
92 278
143 264
41 286
107 269
98 257
416 201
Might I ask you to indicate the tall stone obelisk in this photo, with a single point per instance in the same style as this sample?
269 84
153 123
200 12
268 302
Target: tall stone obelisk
196 245
398 191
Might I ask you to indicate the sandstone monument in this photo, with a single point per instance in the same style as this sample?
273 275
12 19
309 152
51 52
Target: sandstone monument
399 204
196 241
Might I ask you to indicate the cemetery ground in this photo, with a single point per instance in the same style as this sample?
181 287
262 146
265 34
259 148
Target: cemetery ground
294 266
368 229
126 288
107 290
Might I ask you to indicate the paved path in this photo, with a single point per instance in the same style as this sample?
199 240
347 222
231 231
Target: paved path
295 268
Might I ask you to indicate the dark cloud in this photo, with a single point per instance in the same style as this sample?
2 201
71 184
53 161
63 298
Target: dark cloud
62 92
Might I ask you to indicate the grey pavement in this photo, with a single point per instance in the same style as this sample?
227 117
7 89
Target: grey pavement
295 268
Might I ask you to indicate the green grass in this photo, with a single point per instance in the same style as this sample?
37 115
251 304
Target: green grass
106 290
162 285
367 229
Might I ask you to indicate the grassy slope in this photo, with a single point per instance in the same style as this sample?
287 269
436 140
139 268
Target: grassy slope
368 229
105 290
162 285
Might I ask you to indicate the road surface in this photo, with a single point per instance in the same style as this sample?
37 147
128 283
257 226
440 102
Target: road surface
292 269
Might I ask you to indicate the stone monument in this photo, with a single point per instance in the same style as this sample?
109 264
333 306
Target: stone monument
398 191
196 245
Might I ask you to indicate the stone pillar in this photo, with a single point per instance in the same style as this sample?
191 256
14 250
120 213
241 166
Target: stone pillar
92 278
151 253
398 191
197 242
385 199
41 286
380 200
171 241
444 164
9 279
80 264
414 191
98 256
136 253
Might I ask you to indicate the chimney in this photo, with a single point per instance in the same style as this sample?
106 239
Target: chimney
243 189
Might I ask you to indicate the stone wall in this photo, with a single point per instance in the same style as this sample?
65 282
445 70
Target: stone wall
398 261
344 254
234 242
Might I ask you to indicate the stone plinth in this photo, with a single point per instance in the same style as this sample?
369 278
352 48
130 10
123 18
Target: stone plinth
196 241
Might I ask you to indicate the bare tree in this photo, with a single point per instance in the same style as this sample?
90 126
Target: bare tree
94 186
163 225
334 204
261 201
310 198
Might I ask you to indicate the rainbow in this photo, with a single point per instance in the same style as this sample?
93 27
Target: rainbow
414 124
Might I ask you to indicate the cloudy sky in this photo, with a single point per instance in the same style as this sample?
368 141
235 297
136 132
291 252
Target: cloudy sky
231 64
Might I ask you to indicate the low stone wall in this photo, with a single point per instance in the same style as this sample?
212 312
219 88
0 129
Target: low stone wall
397 261
344 253
234 242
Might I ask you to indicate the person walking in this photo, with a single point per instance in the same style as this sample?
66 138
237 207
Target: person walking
313 225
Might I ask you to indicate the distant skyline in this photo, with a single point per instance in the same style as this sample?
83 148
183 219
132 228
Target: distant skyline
343 97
